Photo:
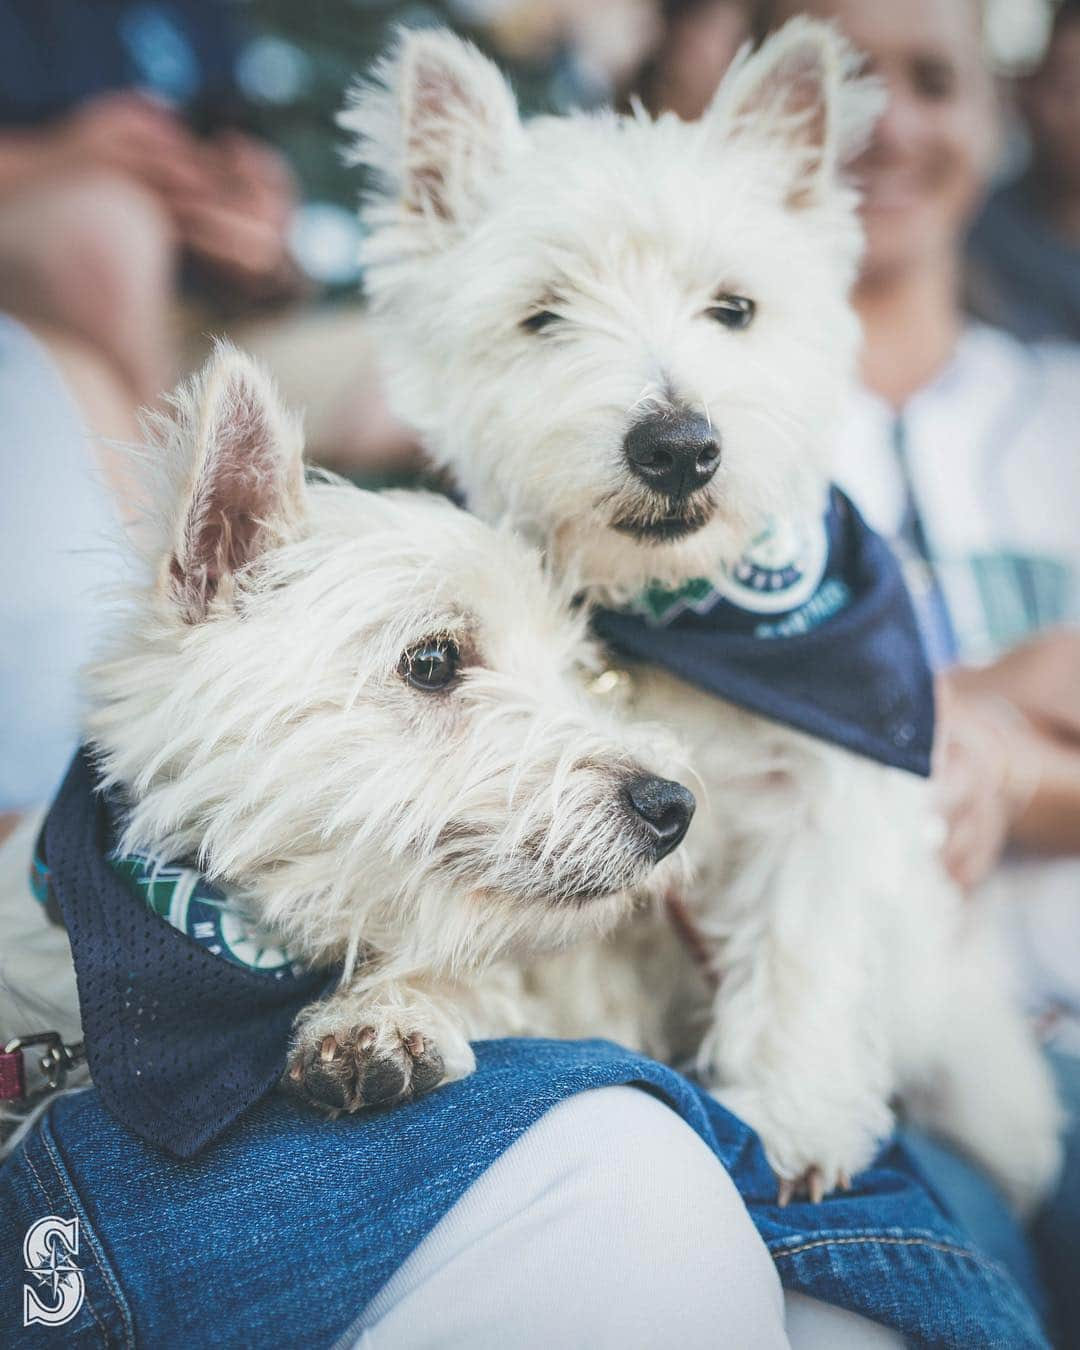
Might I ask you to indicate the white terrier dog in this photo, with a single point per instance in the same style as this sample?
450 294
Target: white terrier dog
632 338
357 711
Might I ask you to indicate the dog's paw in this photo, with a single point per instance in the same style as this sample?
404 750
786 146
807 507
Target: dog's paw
363 1066
813 1153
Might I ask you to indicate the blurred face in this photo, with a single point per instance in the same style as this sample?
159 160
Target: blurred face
1051 105
924 172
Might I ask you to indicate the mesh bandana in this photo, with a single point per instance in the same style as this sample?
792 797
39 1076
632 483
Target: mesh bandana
186 1017
812 627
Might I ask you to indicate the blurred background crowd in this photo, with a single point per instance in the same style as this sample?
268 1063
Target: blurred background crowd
170 170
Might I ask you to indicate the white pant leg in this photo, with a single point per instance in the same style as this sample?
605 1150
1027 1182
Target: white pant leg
812 1325
60 552
608 1225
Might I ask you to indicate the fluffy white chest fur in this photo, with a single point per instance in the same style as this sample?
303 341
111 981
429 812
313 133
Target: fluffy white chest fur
849 971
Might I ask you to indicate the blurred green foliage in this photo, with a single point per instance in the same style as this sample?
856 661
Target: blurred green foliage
305 53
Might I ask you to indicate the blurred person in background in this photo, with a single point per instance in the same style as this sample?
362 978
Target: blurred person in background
963 448
1025 247
124 157
125 169
697 42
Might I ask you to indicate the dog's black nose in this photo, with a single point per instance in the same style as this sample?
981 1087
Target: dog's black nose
666 808
674 453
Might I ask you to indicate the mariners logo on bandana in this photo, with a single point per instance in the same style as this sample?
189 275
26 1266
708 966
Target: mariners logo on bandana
183 897
782 572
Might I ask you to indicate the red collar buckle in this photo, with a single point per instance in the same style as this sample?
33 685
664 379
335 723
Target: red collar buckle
12 1075
53 1064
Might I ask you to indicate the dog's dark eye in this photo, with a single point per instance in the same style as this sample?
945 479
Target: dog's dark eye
733 311
431 665
537 322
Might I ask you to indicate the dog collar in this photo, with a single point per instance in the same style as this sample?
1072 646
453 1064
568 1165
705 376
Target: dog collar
812 628
186 1012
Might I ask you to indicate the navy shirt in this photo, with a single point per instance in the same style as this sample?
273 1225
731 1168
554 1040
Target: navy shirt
56 54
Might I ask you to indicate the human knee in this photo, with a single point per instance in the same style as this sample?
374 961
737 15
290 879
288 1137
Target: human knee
674 1222
614 1204
106 248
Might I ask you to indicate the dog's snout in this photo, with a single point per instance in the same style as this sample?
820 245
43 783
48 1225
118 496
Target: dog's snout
666 808
674 453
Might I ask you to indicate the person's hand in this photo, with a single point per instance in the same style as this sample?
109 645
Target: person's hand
135 135
238 224
987 772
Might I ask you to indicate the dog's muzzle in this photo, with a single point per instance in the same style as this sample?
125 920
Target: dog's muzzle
664 808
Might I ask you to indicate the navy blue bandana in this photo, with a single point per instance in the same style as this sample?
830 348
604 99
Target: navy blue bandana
185 1014
813 628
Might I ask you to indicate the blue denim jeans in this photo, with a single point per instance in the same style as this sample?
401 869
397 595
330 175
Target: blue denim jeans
283 1230
1046 1262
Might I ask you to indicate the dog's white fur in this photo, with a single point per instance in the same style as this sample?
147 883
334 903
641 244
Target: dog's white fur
849 970
253 707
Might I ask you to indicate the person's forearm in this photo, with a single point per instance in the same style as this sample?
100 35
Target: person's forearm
1051 821
26 156
1041 678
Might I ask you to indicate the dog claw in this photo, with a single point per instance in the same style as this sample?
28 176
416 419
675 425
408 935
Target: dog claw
811 1184
328 1049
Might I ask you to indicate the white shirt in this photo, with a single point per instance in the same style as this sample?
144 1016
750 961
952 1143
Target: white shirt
993 452
992 447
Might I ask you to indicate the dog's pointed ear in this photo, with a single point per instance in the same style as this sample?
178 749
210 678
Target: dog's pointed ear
232 457
804 92
435 124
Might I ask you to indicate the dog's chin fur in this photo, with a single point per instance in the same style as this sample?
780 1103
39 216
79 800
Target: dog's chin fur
614 565
818 890
610 561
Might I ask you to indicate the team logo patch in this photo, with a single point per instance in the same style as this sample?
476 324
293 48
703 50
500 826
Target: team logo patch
781 571
184 898
56 1288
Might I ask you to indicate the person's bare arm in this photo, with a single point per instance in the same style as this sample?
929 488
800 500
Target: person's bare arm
1040 677
26 157
124 131
1051 823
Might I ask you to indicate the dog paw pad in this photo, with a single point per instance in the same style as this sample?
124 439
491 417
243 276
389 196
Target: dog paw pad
348 1070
